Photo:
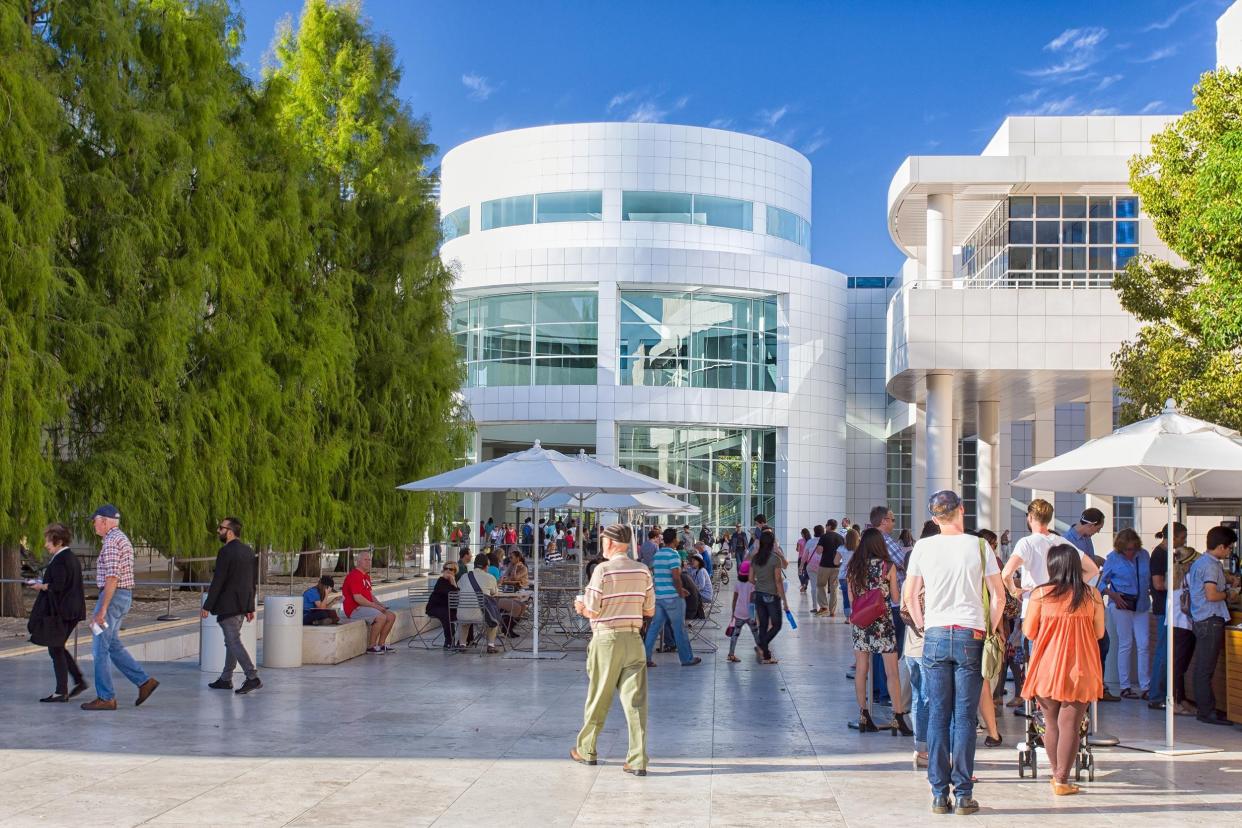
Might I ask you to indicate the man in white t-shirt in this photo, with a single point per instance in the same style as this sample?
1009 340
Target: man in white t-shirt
1031 554
949 569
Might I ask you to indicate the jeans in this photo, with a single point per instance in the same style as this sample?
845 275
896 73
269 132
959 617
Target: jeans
1133 629
673 611
106 648
845 598
234 650
952 681
1160 662
768 614
918 702
1209 641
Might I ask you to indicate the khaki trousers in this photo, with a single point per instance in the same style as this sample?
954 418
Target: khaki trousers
826 588
616 661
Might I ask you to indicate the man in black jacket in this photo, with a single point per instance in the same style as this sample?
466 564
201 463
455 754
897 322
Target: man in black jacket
231 600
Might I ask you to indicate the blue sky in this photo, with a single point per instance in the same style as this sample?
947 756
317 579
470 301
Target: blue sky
857 86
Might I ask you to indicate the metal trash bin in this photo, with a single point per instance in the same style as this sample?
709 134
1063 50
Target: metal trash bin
282 631
211 643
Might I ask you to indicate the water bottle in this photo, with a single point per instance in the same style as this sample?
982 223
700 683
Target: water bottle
793 625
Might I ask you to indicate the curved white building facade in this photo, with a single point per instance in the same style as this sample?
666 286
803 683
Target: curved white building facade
645 292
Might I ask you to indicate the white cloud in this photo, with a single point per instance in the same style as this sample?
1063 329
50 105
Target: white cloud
1055 106
771 117
1077 50
478 87
1107 81
1152 106
1159 54
1077 39
720 123
641 106
621 99
815 143
647 113
1161 25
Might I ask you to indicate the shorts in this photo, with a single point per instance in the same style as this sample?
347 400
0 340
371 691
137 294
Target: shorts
367 614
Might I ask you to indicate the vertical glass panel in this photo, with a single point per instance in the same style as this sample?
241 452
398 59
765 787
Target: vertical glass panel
1127 207
1047 207
1073 232
1021 232
575 206
1127 232
1047 232
456 223
788 226
716 211
1101 232
1124 255
1074 258
1021 207
1101 207
1074 207
1101 258
647 206
1020 258
1047 258
507 212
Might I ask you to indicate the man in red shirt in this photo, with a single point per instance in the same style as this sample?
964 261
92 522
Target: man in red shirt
360 603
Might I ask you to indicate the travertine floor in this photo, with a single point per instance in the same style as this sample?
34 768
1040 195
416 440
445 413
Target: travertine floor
420 738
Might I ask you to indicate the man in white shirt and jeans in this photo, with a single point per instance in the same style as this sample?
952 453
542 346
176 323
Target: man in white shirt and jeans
949 569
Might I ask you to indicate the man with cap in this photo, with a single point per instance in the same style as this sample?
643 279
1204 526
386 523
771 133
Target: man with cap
620 595
114 573
949 570
231 599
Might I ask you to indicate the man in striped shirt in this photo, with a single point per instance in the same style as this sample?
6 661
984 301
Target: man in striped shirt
114 573
619 597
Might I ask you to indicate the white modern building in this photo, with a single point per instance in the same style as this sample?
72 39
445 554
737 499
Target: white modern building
645 292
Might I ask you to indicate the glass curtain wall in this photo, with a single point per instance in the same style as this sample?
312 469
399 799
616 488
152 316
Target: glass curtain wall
698 340
789 226
540 338
686 208
899 476
455 224
731 472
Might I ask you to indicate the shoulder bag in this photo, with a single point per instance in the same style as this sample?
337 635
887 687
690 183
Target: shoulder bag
993 648
491 610
866 608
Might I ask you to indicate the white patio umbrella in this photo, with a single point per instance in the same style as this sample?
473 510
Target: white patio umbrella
624 505
1169 455
538 473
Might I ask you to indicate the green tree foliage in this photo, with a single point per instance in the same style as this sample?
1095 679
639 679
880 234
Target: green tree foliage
216 297
1190 347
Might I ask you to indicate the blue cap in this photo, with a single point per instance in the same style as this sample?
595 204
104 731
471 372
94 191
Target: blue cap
107 511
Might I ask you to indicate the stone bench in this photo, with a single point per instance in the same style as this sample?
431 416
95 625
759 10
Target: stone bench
332 644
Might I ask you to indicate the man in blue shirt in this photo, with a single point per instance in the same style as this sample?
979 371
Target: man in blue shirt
670 599
1209 588
1079 535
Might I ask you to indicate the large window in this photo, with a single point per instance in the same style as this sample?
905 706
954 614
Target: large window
507 212
789 226
456 223
731 472
698 340
899 479
577 206
528 338
685 208
1052 241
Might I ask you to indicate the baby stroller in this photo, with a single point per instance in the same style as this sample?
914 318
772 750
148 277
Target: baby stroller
1084 761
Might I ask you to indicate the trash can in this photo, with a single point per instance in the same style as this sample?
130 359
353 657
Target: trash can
211 643
282 631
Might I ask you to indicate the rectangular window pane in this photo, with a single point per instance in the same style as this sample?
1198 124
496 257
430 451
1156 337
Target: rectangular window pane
506 310
1047 258
565 307
1047 207
1073 232
1047 232
788 226
1124 255
1101 207
1101 232
640 206
1021 232
723 212
1021 206
507 212
456 223
1020 258
1127 232
1074 258
584 206
1101 258
504 372
1127 207
1074 207
565 340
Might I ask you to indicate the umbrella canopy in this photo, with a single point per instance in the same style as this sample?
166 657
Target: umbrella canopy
1170 456
1170 451
652 503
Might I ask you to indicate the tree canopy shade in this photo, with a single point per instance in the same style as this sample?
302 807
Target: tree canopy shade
1191 347
216 296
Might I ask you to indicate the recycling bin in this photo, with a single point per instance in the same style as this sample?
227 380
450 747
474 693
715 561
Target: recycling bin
282 631
211 643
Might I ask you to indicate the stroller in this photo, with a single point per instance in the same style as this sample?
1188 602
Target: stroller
1084 761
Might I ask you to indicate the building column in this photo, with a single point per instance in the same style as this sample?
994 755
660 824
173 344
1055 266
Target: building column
940 471
1100 424
918 472
608 310
988 459
606 441
1044 443
473 501
1004 450
940 240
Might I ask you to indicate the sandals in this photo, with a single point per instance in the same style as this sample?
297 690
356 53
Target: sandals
769 661
1127 693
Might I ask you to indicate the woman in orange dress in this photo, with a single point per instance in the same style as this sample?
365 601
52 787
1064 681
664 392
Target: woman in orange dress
1064 621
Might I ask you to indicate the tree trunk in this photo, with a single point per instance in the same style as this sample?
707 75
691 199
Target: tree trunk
12 604
308 566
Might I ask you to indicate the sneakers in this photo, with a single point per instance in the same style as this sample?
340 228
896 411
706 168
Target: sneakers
248 685
965 806
100 704
378 650
221 684
692 662
145 690
384 648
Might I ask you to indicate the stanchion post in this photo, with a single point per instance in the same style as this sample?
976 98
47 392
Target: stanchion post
1096 738
168 616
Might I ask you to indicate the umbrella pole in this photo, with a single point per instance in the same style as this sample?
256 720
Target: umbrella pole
1168 624
538 552
578 546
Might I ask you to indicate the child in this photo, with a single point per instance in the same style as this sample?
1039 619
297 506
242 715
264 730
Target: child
742 609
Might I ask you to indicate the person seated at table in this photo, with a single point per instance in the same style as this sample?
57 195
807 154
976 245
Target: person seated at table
480 581
317 603
493 564
515 578
702 578
705 552
438 604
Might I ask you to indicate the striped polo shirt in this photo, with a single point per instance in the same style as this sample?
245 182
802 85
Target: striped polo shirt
620 593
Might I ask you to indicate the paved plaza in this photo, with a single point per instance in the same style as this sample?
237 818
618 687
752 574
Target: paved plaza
421 738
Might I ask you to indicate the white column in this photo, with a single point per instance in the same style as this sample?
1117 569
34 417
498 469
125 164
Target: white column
988 457
940 471
1044 443
918 472
473 501
606 441
957 454
1004 493
1100 424
940 240
608 308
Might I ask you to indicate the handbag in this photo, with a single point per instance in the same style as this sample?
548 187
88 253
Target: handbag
866 608
491 610
993 648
